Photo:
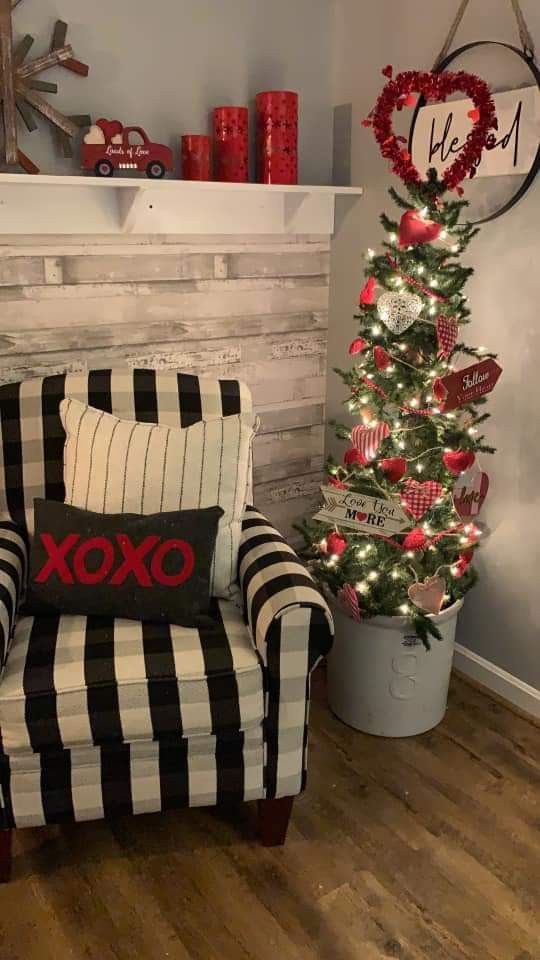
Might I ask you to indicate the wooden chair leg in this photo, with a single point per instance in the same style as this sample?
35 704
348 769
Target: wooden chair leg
274 820
5 856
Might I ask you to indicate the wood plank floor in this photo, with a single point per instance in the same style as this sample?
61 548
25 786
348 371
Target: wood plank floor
420 848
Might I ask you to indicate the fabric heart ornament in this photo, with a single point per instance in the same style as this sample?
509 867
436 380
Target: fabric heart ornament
348 599
458 461
382 358
429 594
418 498
413 229
393 468
435 87
399 310
368 439
357 346
469 493
367 293
447 334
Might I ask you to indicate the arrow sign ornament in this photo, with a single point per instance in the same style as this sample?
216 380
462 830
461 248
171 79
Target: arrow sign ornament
465 386
361 513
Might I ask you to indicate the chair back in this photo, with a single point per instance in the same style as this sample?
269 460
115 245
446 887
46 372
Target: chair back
32 437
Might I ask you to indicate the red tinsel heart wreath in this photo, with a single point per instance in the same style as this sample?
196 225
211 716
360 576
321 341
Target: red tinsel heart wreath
435 87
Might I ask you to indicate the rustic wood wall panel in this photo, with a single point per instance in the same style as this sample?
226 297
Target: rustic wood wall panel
248 307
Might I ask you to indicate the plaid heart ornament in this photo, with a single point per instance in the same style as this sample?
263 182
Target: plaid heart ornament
418 498
447 334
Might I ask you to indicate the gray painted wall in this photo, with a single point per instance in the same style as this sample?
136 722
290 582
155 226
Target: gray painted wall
164 64
500 620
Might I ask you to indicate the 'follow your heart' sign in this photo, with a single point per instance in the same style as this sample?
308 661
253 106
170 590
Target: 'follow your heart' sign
357 511
442 128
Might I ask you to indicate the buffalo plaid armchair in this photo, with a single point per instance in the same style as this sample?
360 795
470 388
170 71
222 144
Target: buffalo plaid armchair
102 716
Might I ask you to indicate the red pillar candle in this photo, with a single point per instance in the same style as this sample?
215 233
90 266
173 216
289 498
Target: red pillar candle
277 136
195 157
231 144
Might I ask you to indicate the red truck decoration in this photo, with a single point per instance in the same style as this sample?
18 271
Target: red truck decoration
109 146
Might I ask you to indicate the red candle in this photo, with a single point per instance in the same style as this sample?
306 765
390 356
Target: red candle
231 144
277 136
195 157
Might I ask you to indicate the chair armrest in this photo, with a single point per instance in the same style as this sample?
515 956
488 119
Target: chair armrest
274 582
13 567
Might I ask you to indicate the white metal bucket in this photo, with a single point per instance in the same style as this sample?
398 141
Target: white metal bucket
382 680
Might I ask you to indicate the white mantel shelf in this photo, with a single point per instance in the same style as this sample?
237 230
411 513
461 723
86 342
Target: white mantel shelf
119 205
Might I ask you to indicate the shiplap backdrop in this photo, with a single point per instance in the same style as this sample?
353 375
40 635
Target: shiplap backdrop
254 308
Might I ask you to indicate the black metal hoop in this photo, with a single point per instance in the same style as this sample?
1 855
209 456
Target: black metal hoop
528 59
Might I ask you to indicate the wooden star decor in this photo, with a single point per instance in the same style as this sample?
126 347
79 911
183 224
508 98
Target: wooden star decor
21 88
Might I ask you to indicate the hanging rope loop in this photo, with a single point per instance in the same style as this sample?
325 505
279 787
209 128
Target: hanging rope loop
525 36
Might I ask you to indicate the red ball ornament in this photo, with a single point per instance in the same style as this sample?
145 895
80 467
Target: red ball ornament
354 455
394 468
413 229
415 540
335 543
382 358
457 461
357 346
367 293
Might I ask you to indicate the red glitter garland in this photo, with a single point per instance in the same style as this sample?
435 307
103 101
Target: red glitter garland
424 412
435 87
415 283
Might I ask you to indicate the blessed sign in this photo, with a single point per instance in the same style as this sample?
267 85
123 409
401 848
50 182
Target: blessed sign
467 385
441 129
356 511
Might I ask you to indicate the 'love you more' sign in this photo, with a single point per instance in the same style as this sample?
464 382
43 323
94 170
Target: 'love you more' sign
441 129
357 511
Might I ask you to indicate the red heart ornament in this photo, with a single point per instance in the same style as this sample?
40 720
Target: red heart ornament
354 455
436 87
414 229
428 595
369 439
367 293
415 540
393 468
335 543
474 114
457 461
357 346
382 358
418 498
469 493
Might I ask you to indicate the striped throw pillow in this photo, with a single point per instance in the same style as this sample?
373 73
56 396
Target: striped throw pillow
123 466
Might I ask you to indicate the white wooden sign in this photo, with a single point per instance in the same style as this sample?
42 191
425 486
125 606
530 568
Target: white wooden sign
441 129
357 511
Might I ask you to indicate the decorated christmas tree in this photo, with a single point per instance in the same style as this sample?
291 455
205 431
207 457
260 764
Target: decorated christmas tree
397 531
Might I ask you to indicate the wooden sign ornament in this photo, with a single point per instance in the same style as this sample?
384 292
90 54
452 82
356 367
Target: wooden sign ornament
361 513
19 86
470 491
465 386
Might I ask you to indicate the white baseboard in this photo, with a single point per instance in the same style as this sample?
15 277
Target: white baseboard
511 688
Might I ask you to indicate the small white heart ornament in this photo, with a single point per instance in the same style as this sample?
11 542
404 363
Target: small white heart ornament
428 594
398 311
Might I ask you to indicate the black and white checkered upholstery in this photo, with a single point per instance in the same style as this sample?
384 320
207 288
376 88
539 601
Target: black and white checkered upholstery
101 716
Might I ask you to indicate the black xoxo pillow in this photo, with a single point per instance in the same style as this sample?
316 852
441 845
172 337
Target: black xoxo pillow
154 567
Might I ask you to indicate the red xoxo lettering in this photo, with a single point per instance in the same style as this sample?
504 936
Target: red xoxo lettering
132 560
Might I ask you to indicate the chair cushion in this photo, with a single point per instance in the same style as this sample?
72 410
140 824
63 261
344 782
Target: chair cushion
76 680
